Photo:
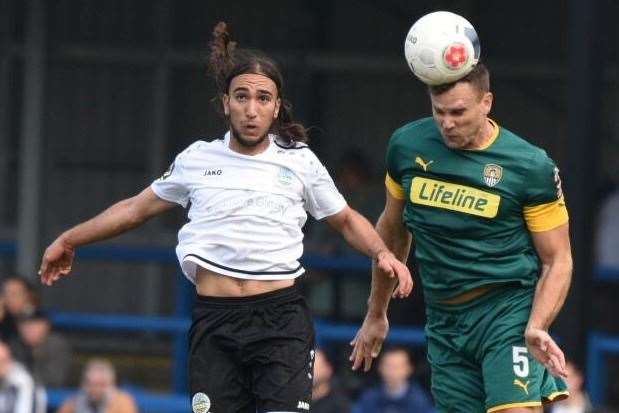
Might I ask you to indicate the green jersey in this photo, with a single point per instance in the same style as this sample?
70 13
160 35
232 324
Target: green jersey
471 211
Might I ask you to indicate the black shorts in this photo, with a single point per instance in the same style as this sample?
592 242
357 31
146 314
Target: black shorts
251 354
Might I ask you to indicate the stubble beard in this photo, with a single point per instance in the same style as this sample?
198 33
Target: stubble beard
236 135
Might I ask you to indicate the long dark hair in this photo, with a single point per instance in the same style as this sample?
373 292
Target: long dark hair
226 61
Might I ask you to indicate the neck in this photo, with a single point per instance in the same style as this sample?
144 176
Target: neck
238 144
396 389
483 136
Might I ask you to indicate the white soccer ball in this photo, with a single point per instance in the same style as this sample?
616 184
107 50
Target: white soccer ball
441 47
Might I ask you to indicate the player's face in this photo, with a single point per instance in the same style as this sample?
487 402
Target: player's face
251 105
461 115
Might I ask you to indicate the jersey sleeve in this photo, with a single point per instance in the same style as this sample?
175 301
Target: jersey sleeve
322 198
394 174
544 207
172 185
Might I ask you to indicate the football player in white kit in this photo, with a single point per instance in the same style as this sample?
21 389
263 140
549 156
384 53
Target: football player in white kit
252 338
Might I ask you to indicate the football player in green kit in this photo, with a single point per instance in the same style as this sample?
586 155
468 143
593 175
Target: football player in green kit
485 212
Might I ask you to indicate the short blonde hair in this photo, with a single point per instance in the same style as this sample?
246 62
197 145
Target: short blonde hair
99 365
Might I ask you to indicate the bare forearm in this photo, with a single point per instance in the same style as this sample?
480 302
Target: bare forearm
398 240
114 221
360 235
550 294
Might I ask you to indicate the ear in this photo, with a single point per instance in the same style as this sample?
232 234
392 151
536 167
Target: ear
278 104
486 101
225 100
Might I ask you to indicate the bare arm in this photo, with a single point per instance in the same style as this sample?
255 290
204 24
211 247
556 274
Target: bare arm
360 234
398 239
368 341
553 248
117 219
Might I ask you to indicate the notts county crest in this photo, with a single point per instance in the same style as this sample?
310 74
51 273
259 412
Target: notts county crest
492 174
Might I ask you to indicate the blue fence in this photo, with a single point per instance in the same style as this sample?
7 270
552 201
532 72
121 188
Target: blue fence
599 344
325 331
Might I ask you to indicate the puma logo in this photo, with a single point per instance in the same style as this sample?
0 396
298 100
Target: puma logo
524 386
423 164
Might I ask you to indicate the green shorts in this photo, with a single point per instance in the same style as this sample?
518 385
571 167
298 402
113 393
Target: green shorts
479 359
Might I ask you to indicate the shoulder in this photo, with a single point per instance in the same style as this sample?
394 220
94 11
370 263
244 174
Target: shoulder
521 147
122 402
289 146
371 395
68 406
202 145
19 376
298 157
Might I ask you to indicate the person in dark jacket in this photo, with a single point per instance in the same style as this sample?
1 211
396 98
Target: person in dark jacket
397 393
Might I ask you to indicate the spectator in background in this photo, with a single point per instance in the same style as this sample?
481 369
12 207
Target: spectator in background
99 393
327 397
18 393
47 354
397 393
19 296
8 328
578 402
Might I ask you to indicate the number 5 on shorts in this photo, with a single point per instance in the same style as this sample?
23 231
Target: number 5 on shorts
521 361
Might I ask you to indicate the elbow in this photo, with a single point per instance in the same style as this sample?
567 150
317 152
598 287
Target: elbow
134 216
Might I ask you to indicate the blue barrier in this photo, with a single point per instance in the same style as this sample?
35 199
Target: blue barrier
147 402
607 274
325 332
599 345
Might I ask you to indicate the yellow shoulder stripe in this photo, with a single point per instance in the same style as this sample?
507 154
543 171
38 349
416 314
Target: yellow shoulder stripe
394 188
512 405
546 216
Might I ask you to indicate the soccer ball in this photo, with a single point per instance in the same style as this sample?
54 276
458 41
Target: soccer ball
441 47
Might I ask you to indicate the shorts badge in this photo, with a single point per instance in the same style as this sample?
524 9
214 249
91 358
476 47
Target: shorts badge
492 174
200 403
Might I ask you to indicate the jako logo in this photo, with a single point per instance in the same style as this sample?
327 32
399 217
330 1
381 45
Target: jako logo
303 405
211 172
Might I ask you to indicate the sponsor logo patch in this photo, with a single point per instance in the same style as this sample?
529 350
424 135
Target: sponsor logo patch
454 197
492 174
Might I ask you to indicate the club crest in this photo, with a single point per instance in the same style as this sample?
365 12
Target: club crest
492 174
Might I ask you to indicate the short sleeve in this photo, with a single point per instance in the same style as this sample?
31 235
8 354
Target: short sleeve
172 185
393 162
544 207
322 198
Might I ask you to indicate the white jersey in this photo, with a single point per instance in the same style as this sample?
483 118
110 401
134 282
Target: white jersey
246 212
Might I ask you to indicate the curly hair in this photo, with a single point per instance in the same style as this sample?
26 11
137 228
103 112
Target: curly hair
226 61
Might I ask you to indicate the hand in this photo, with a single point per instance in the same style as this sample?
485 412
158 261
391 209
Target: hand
546 351
57 261
368 341
387 263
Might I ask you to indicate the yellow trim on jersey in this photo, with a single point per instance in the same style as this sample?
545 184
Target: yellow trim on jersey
557 394
546 216
512 405
395 189
495 135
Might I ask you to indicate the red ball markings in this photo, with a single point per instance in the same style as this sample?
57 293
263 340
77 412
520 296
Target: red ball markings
455 56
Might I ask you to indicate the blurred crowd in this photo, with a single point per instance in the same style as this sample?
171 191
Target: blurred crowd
33 358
